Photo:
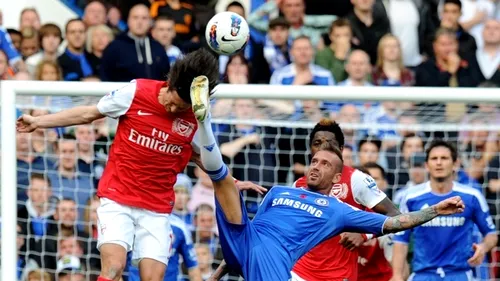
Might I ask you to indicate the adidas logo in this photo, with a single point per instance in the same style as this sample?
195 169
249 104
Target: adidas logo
209 147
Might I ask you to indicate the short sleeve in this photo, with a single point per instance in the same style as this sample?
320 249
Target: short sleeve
365 190
481 213
118 102
403 236
187 251
359 221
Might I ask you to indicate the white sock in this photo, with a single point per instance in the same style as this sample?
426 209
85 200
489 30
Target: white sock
211 157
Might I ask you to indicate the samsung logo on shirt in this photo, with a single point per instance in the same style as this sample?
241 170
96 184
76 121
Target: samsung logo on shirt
445 222
297 205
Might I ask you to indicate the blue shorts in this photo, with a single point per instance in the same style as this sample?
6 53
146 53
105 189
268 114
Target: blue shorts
440 275
250 253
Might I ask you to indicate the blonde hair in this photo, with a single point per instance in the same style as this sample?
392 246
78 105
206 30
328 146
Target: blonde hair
381 47
39 69
38 275
90 34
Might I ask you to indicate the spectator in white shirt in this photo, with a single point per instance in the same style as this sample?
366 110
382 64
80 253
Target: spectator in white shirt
487 60
405 27
474 15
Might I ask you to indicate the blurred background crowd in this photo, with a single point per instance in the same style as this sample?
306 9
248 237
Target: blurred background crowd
365 43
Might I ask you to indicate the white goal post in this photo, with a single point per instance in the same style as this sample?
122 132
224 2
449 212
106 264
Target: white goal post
9 90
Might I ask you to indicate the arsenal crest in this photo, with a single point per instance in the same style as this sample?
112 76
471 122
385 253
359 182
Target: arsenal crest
339 190
183 127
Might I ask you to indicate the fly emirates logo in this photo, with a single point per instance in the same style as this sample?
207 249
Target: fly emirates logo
157 141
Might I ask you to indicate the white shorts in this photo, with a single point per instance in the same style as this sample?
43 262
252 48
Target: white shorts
295 277
147 234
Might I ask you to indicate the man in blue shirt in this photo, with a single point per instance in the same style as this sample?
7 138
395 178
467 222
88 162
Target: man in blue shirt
182 246
443 248
290 221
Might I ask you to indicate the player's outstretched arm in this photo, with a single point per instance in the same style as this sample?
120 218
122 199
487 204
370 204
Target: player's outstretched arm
449 206
219 272
74 116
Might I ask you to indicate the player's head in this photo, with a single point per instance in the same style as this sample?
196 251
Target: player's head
326 168
326 131
440 160
176 97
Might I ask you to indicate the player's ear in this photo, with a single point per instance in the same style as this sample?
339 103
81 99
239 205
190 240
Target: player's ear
336 178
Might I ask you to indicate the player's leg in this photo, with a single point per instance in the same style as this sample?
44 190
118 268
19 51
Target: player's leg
116 236
152 244
225 190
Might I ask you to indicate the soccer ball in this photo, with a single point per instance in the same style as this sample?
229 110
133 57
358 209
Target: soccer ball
227 33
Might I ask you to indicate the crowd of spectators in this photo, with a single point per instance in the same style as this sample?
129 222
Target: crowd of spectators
367 43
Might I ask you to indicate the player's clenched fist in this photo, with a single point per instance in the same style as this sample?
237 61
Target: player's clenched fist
26 124
450 206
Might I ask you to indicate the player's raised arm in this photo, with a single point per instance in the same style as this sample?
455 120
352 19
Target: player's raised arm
74 116
114 104
449 206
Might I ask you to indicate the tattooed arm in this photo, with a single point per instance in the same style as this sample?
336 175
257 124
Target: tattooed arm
409 220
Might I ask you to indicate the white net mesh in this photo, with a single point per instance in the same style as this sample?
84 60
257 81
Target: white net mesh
263 141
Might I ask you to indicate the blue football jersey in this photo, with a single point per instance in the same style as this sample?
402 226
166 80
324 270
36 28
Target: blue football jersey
182 245
445 242
289 223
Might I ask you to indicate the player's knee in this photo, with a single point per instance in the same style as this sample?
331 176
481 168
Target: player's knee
112 270
151 270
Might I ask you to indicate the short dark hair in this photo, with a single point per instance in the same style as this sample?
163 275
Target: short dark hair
67 136
14 31
185 69
373 165
236 4
342 22
455 2
441 143
38 176
72 21
163 17
326 146
371 139
409 136
327 125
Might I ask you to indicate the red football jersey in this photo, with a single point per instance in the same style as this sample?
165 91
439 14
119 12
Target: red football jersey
373 265
150 148
330 260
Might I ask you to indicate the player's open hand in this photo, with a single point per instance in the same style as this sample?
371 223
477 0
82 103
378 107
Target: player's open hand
450 206
351 241
26 124
478 257
248 185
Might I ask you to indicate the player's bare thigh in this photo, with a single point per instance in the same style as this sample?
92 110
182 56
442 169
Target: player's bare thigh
228 197
116 234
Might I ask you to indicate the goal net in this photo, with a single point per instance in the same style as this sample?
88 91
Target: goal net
263 132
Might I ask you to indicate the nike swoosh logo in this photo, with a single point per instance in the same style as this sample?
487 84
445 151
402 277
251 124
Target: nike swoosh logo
143 113
228 40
